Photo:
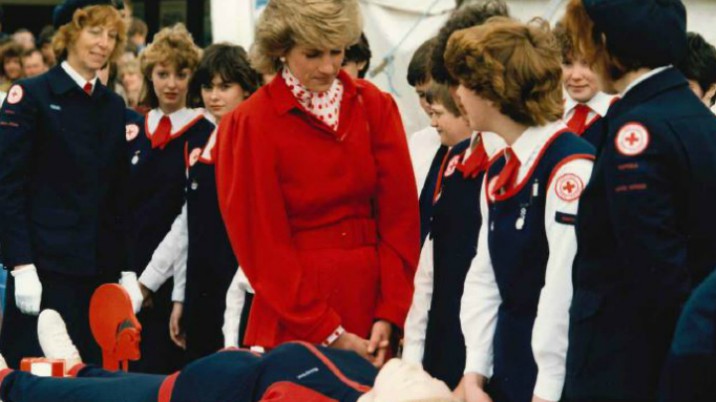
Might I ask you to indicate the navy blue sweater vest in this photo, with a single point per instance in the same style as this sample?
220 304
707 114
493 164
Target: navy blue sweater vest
426 194
519 251
157 183
211 262
456 223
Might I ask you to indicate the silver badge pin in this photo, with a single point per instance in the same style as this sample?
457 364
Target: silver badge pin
520 223
135 159
194 185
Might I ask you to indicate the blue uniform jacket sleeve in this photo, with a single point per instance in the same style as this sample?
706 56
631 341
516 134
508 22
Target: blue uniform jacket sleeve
17 136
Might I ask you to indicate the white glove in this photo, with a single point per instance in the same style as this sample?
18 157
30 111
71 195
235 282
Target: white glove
28 289
129 282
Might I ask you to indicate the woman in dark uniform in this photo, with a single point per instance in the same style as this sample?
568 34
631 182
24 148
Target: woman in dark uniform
63 182
158 158
646 235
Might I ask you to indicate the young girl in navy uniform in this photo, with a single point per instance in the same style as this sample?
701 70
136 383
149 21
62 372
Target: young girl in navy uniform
158 158
63 182
585 104
221 82
291 372
517 293
433 335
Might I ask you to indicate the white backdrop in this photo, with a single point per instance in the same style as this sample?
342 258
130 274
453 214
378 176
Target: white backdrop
395 28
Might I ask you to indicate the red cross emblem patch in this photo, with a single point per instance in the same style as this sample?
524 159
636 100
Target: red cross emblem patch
131 131
632 139
568 187
452 165
15 94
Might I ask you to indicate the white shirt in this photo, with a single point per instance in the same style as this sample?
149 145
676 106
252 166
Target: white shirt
598 107
481 298
416 323
77 77
423 145
179 119
169 259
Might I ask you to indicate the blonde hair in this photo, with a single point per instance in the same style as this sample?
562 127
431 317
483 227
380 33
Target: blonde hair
91 16
314 23
171 46
517 66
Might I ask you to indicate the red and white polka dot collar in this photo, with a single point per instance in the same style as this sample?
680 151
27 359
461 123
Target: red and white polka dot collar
323 105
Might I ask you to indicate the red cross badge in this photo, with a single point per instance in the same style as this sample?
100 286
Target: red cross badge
452 165
632 139
569 187
194 156
15 94
132 130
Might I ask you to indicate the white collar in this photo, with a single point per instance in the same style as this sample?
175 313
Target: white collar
599 103
180 119
77 77
206 152
644 78
493 143
533 139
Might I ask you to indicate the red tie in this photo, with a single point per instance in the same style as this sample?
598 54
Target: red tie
88 88
476 163
506 180
163 133
578 122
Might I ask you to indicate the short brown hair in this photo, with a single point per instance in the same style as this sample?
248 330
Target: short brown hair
171 46
588 41
515 65
315 23
10 50
137 27
440 94
91 16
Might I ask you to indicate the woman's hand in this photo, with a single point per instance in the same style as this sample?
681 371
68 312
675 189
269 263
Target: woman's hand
175 330
147 294
474 388
352 342
379 342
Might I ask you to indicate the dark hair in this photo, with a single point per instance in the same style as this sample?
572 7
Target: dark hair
359 53
465 17
418 67
230 62
700 62
45 36
30 52
9 50
137 27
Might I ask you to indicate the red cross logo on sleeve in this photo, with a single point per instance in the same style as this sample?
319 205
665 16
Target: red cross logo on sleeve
569 187
632 139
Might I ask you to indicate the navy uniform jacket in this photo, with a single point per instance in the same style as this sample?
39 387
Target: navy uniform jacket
63 177
646 236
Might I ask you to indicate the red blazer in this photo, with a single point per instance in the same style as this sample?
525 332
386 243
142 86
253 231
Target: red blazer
324 224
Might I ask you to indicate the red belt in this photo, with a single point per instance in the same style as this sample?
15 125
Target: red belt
346 234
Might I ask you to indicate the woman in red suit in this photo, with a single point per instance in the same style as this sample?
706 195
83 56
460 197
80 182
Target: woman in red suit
314 183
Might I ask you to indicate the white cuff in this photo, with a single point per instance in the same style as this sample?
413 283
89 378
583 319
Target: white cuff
549 388
475 363
152 279
178 295
413 353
